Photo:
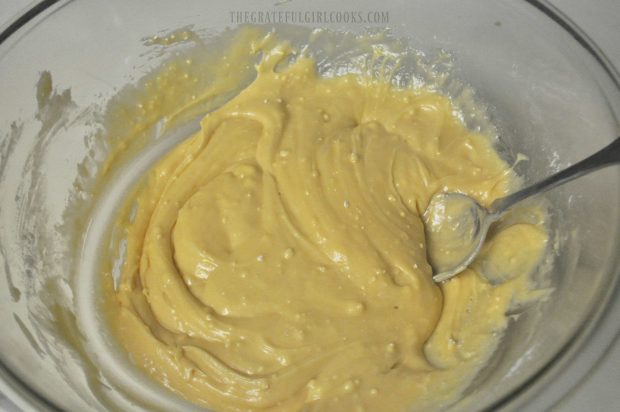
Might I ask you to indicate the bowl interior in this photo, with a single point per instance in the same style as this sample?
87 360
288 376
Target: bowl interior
550 98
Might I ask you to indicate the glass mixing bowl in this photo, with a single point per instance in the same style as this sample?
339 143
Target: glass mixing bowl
551 92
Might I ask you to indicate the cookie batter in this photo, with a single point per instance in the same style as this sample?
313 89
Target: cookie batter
277 259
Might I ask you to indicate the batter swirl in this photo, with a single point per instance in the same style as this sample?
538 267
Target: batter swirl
277 258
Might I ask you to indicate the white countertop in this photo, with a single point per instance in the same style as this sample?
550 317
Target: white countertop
600 19
600 390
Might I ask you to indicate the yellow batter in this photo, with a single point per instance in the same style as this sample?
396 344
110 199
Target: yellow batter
277 258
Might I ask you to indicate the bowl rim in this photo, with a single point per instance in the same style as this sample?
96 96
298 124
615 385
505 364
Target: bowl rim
599 333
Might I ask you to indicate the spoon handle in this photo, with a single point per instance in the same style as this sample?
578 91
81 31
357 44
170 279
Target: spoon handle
607 156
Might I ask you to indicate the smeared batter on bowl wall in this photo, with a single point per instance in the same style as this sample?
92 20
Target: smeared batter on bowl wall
277 259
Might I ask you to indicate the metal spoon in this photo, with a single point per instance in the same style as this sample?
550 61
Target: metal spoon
456 225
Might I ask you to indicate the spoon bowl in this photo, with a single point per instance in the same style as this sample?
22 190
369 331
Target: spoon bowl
456 227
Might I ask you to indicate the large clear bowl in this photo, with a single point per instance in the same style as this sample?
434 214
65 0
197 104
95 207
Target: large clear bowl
551 92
